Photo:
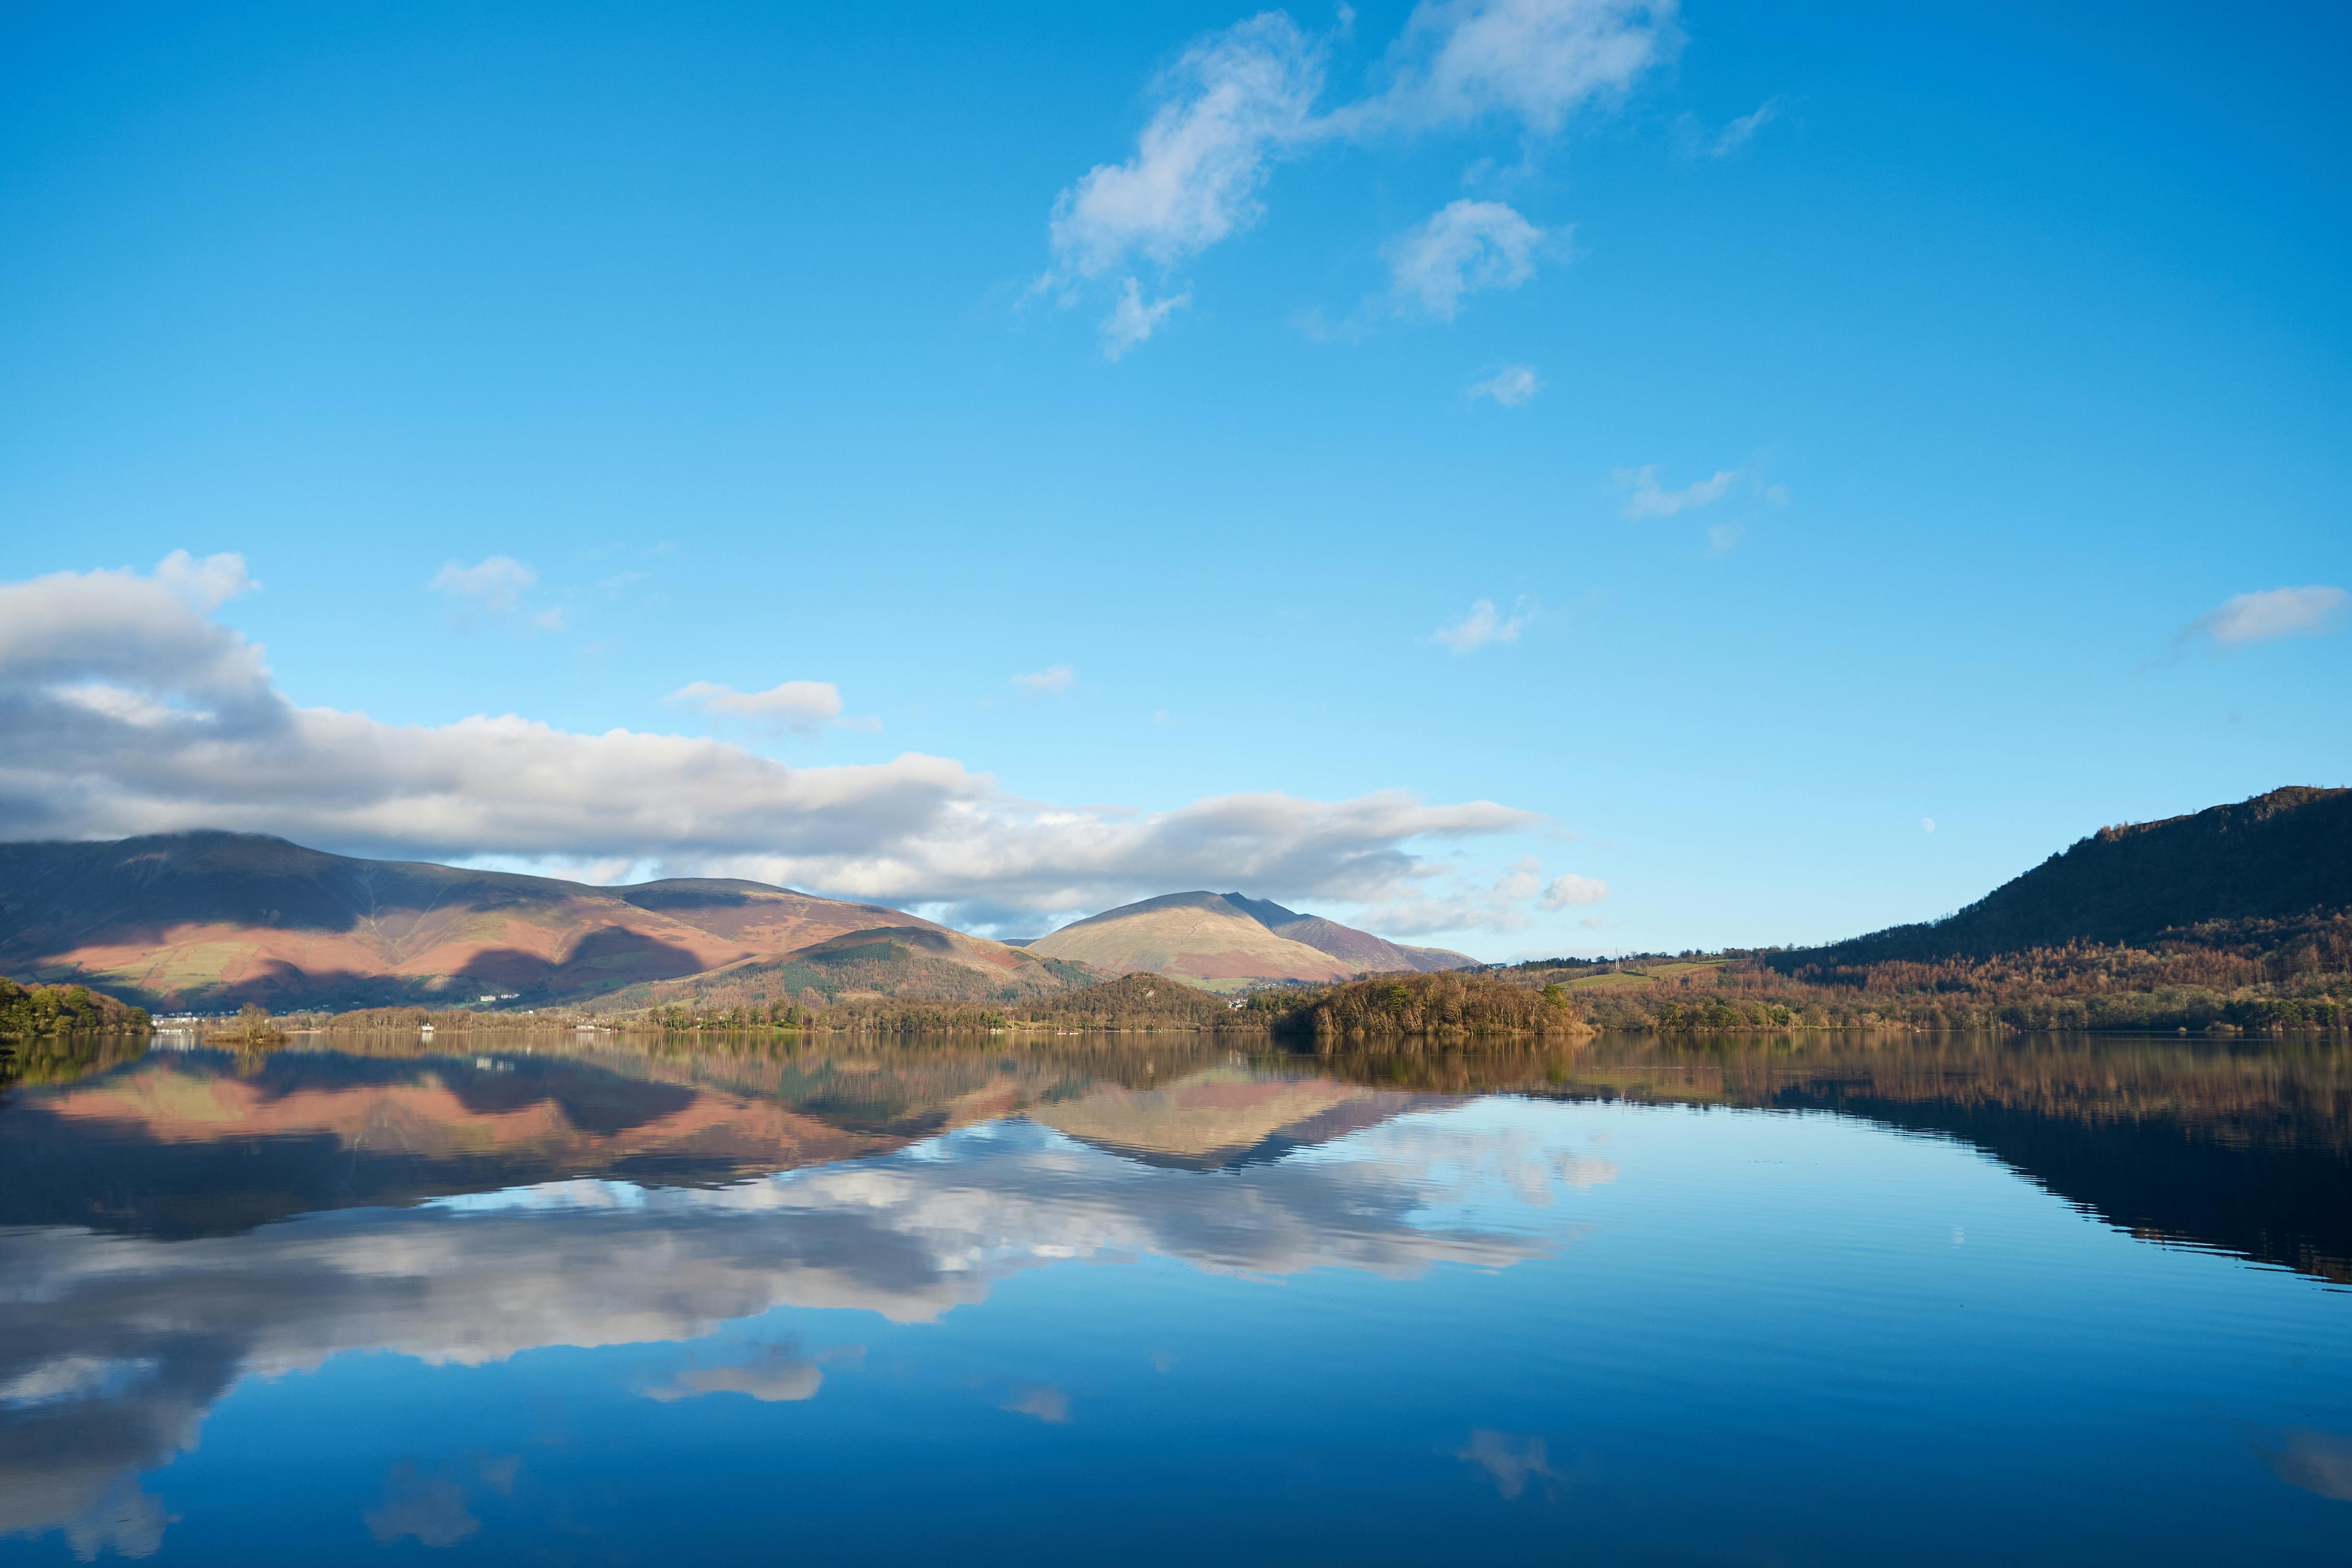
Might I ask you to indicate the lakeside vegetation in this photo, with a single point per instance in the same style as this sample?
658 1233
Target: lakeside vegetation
2264 978
2244 978
26 1010
2301 982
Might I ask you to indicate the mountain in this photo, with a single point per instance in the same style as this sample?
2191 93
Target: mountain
210 920
1346 943
1224 942
2225 874
907 961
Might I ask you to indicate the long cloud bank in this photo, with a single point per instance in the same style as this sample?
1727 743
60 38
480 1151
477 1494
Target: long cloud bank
129 709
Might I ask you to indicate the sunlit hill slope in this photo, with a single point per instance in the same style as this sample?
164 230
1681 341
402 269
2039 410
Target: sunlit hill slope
213 920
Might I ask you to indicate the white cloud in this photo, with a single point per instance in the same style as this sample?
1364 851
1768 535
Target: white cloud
1647 500
197 736
800 706
1722 537
496 583
1511 386
1572 889
1534 60
208 584
1459 903
1231 103
1054 681
2273 614
1131 321
1465 246
1237 101
1484 624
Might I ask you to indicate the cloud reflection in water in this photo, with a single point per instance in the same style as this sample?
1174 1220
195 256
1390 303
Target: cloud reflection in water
112 1349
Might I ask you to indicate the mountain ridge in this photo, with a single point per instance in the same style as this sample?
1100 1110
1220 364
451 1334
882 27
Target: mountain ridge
211 919
2273 857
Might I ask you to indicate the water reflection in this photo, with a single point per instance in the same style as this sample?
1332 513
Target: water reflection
113 1345
175 1224
2246 1148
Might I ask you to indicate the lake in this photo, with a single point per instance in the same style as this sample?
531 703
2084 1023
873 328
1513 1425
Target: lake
1156 1299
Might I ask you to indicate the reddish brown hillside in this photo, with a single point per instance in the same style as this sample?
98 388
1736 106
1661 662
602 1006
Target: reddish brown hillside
763 920
209 920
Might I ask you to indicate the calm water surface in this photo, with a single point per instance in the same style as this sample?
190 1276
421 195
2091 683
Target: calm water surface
1763 1302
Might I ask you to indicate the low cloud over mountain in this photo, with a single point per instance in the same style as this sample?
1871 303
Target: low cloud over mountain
132 710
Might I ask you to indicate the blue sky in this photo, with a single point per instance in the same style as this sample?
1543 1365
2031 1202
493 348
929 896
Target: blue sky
1892 408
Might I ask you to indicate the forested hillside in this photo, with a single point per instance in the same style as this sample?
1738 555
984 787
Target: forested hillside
2250 873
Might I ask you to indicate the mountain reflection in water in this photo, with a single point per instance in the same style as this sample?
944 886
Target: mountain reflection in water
176 1225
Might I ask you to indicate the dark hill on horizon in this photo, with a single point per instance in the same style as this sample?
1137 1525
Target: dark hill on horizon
210 920
2230 874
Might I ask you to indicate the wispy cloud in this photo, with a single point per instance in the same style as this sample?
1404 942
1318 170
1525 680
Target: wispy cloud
208 584
1511 386
1239 100
2268 615
1647 498
1697 144
1534 61
1722 537
1231 103
1457 900
800 706
1133 318
1466 246
1054 681
1483 626
496 583
1571 889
